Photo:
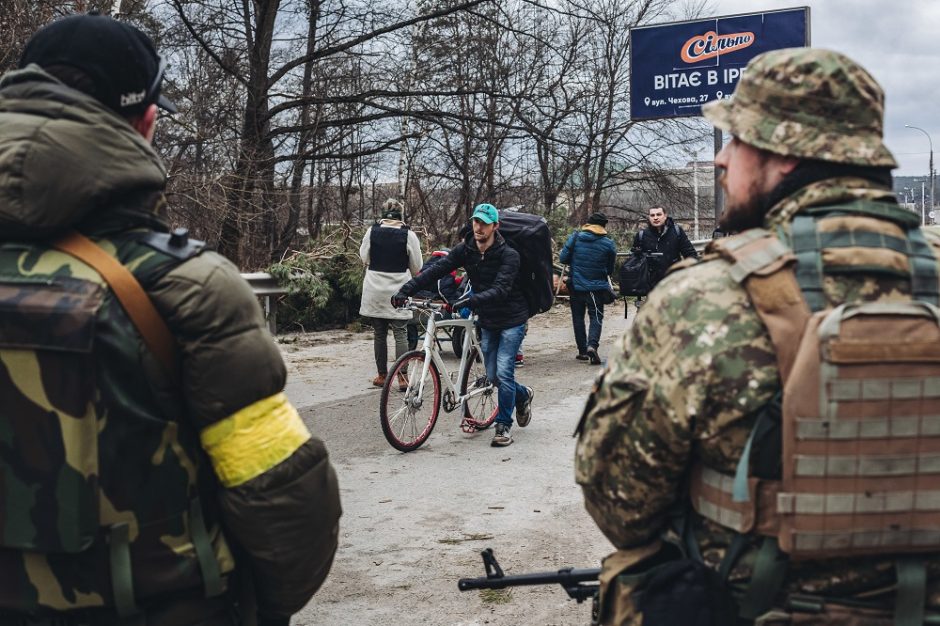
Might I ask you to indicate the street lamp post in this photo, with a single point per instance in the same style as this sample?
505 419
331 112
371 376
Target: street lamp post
695 184
930 171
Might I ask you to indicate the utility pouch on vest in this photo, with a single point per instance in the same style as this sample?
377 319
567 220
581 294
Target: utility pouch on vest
48 426
861 434
620 573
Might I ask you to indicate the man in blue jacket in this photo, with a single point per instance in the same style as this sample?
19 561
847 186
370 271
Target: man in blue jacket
591 255
493 269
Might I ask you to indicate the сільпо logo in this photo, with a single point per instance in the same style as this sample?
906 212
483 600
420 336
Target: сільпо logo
711 44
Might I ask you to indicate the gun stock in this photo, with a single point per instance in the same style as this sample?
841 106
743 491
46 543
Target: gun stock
579 584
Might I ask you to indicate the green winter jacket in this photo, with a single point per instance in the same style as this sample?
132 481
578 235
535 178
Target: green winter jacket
119 488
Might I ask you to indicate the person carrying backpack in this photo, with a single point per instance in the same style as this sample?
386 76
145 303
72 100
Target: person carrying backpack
775 416
664 242
591 255
152 471
492 267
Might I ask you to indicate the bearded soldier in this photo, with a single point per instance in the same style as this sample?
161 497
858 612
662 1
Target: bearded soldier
721 508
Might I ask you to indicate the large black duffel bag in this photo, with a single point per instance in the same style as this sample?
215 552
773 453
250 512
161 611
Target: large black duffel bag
531 237
635 276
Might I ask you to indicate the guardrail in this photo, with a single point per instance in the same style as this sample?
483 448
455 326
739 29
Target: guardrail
267 290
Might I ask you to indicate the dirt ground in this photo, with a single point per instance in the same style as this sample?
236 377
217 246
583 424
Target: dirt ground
415 522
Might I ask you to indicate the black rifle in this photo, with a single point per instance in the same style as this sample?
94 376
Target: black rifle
576 582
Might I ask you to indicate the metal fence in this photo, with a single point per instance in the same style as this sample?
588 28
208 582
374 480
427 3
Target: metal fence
266 288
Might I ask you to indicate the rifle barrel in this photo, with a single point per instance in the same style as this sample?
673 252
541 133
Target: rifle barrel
566 576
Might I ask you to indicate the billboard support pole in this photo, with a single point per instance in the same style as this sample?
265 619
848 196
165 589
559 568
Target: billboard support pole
719 195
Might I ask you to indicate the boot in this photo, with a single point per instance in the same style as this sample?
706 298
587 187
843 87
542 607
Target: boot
379 381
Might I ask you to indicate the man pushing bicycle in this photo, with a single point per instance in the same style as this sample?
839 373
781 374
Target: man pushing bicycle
493 269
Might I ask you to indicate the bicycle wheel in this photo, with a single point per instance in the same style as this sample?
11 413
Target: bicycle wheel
456 341
480 410
407 418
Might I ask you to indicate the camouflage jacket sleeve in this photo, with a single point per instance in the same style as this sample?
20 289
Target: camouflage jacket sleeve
278 492
686 381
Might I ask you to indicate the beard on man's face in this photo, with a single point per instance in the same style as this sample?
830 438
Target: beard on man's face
741 214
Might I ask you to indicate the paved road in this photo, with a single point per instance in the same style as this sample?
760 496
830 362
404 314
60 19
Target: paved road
414 523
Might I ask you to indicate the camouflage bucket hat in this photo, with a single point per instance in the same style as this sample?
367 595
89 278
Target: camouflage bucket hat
807 103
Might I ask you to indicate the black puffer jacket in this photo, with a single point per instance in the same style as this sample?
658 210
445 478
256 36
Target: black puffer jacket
496 298
672 242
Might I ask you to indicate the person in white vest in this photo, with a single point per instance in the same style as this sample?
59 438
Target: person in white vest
392 255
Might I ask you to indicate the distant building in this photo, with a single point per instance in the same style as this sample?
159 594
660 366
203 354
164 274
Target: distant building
683 192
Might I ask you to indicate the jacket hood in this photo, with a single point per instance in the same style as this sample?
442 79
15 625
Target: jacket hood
594 229
64 156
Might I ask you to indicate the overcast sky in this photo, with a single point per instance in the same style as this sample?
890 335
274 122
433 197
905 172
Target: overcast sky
897 41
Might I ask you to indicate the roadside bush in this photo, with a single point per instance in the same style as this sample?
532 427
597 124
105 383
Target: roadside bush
324 286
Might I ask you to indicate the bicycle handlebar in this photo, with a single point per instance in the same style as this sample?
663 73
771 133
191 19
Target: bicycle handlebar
419 304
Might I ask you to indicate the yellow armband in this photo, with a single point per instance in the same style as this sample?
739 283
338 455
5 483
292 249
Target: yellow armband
248 443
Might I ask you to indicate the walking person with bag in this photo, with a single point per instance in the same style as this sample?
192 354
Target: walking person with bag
590 253
664 243
493 270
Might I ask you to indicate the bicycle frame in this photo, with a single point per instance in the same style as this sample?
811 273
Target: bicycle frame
433 353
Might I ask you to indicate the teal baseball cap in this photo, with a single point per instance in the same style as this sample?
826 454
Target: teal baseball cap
486 213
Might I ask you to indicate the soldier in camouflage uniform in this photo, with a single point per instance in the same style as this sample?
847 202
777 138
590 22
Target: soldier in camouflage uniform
698 366
135 490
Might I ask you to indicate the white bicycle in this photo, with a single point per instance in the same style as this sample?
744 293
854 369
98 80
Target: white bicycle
411 397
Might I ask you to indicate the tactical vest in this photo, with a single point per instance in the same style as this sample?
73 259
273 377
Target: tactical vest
388 249
856 440
100 470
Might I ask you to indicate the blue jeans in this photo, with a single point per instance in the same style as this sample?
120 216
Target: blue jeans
499 356
581 300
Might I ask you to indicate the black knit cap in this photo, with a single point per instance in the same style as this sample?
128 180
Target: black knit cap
120 60
597 218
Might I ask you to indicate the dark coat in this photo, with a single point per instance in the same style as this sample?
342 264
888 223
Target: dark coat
672 242
144 447
591 259
497 298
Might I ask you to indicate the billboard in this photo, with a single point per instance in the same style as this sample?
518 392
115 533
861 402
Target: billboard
676 68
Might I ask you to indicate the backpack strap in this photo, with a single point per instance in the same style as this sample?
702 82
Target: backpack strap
809 261
924 280
757 259
130 294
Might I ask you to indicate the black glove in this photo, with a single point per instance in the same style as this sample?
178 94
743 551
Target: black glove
399 300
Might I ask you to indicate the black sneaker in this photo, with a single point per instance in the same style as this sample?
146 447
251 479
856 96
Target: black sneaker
502 437
582 356
592 354
524 410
